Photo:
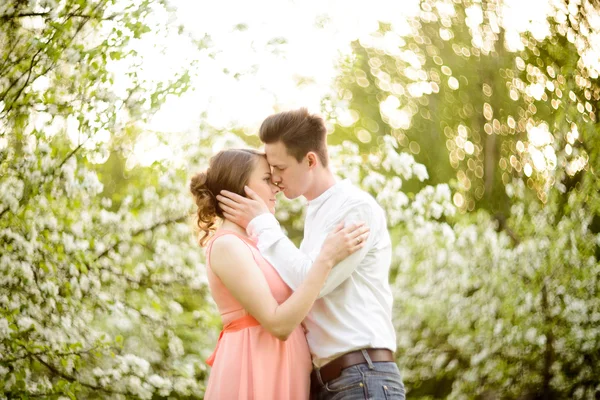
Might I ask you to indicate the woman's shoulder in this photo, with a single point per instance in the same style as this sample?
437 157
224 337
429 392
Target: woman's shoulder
225 240
229 243
230 252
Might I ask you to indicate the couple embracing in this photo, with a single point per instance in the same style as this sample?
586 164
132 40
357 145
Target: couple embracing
314 321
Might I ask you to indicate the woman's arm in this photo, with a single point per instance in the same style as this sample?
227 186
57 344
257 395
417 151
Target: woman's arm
232 261
293 264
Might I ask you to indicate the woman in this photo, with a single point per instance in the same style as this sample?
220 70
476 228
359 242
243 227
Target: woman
262 352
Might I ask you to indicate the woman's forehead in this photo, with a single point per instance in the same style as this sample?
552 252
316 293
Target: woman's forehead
263 165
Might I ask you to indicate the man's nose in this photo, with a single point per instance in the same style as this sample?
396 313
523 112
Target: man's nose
276 178
275 188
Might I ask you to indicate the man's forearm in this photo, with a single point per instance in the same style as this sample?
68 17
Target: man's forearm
290 262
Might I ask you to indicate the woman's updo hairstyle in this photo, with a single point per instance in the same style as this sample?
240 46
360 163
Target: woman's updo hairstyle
228 170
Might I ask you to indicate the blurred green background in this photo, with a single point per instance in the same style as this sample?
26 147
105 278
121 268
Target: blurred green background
479 140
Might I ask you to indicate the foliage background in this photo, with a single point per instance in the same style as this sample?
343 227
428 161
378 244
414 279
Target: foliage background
479 142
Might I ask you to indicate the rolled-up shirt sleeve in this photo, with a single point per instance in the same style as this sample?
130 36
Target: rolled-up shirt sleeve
291 263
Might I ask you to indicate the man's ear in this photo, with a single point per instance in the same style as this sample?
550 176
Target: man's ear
312 159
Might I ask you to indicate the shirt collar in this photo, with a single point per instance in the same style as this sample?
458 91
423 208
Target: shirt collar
337 186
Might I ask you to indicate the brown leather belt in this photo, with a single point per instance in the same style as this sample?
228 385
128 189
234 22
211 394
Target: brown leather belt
333 369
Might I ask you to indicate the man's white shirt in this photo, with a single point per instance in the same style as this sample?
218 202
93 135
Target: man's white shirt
354 308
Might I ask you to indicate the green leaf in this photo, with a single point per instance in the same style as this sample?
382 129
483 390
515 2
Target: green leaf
115 55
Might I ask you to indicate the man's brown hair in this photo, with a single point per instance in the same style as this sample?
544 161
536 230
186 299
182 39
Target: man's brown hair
299 131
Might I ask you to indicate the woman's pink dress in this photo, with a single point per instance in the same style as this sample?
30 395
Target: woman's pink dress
252 363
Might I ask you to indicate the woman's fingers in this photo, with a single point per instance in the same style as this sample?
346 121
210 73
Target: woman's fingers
359 242
353 226
338 227
358 232
354 234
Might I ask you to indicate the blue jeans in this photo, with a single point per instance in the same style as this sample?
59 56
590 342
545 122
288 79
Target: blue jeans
370 380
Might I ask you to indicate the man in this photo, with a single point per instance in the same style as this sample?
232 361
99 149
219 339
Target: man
349 329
